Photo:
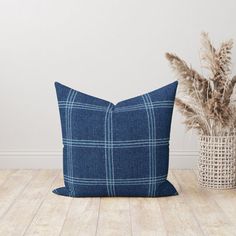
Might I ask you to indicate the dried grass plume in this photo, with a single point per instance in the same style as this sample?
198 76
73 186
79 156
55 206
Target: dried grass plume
206 101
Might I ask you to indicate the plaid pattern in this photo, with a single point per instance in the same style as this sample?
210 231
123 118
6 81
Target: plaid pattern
116 150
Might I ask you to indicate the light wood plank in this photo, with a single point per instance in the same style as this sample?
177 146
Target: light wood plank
225 199
4 174
52 213
82 217
114 217
210 216
26 205
177 215
12 187
146 217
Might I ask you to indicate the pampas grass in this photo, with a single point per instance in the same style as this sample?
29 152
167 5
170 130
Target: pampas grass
206 101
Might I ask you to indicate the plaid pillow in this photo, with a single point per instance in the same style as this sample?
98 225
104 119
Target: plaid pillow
116 150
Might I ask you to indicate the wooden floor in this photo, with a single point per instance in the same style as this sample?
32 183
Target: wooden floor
28 207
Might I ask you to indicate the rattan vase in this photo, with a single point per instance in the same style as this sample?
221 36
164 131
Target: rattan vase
217 162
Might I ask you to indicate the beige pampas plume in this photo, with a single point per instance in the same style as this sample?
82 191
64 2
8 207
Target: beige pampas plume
195 83
208 53
206 101
192 118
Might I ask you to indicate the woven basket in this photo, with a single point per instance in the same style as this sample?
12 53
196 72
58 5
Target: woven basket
217 162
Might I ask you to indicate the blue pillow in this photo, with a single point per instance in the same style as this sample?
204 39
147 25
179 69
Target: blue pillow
116 150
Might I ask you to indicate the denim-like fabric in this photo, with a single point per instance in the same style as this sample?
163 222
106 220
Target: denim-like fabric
116 150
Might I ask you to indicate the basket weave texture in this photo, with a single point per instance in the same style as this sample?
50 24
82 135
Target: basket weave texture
217 162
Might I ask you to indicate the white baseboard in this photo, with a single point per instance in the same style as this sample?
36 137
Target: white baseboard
53 159
183 159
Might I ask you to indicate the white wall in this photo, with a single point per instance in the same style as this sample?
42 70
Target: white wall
107 48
